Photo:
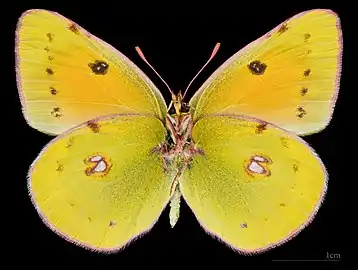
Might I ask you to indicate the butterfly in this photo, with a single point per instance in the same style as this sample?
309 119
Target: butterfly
233 152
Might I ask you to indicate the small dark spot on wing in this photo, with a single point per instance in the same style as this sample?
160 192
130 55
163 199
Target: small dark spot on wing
295 168
69 142
46 49
93 126
53 91
50 58
283 28
50 37
243 225
73 28
56 112
303 91
284 142
306 36
261 128
307 72
112 224
49 71
301 112
59 167
282 205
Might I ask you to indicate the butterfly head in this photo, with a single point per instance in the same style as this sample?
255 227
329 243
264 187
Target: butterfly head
177 102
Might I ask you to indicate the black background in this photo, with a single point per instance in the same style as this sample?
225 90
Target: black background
177 41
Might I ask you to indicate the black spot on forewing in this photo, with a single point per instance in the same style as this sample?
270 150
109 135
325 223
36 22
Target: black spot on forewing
283 28
49 71
257 67
99 67
303 91
46 49
282 205
307 72
50 37
50 58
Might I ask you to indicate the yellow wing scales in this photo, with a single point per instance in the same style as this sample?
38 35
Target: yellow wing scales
289 77
67 76
100 185
251 177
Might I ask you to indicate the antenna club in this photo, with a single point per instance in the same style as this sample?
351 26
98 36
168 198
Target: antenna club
215 50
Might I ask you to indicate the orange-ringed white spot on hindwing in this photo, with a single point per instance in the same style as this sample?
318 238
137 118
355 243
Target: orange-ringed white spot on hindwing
99 67
99 165
257 67
258 165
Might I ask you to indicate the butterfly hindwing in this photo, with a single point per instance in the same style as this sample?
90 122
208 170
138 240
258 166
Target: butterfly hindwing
100 184
254 185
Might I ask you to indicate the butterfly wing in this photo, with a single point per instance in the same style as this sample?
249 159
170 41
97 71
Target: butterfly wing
100 184
255 186
288 77
67 76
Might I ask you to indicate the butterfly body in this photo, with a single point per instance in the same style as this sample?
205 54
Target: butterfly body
232 153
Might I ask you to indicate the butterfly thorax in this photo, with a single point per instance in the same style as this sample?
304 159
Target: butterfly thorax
177 152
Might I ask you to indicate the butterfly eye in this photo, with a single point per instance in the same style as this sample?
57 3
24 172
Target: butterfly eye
185 107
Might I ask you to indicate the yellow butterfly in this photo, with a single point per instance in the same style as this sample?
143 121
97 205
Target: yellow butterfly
233 154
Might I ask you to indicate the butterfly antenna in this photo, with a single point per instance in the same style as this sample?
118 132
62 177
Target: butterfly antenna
139 51
215 50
